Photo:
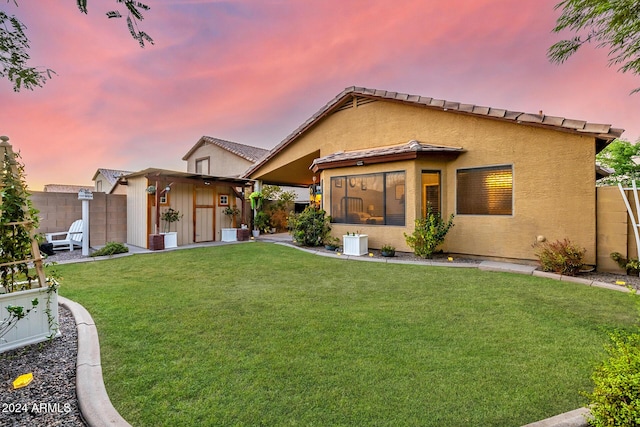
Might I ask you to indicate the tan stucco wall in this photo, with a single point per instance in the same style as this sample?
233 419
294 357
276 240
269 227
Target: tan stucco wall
553 175
221 162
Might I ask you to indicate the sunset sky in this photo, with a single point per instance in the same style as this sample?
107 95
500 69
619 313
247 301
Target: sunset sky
251 71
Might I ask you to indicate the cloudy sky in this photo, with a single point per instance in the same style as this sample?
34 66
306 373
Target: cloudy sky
251 71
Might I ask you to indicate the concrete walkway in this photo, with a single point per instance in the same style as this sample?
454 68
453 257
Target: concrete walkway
96 406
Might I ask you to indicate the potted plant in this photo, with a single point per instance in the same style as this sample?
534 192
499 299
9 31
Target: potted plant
331 243
231 213
170 216
631 265
388 251
355 244
256 200
262 222
230 234
28 300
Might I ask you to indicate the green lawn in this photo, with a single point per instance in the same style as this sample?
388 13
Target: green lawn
261 334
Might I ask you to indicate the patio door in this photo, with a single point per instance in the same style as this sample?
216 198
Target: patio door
204 215
430 191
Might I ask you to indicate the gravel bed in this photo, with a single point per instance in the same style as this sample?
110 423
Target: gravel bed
50 399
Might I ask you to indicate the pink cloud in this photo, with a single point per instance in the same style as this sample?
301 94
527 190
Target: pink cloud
252 71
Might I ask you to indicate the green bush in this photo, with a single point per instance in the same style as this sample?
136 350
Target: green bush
615 400
560 257
111 248
428 234
310 227
262 221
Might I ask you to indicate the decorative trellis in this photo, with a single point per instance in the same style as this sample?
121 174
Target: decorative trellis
16 258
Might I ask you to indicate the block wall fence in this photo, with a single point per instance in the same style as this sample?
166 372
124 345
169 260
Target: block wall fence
614 228
107 215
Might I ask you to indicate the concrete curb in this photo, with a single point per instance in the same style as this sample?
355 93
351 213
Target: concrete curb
575 418
94 403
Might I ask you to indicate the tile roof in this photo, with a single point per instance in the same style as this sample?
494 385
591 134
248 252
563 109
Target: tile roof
361 94
247 152
112 175
407 150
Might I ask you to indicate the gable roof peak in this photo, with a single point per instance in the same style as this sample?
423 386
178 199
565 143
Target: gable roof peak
247 152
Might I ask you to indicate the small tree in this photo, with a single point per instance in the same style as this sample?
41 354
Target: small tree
619 156
14 43
18 219
169 217
429 233
608 24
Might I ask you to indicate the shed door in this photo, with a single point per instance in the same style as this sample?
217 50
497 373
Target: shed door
204 215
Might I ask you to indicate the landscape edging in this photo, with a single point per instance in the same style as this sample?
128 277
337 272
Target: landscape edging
93 400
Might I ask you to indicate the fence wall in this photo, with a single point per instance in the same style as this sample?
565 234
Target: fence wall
614 228
107 215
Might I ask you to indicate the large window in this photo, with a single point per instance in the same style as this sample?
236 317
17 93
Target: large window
485 191
376 199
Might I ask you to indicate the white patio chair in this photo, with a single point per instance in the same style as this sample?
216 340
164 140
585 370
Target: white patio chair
71 238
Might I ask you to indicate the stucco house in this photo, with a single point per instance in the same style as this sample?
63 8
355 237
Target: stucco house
510 178
221 158
106 180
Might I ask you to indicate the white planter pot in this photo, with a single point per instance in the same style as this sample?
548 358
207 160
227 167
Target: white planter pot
33 328
170 239
357 245
229 234
255 233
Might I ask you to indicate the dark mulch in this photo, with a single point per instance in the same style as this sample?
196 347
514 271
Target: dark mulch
50 399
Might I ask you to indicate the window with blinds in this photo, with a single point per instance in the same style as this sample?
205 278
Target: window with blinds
485 191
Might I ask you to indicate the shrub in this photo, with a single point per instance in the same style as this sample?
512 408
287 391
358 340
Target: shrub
631 265
310 227
279 204
615 400
331 242
428 234
111 248
560 257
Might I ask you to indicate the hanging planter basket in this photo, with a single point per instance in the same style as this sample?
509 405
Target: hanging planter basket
256 200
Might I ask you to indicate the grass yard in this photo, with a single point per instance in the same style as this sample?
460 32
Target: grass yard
261 334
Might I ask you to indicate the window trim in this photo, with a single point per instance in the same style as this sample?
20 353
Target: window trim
195 165
440 188
351 181
497 166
